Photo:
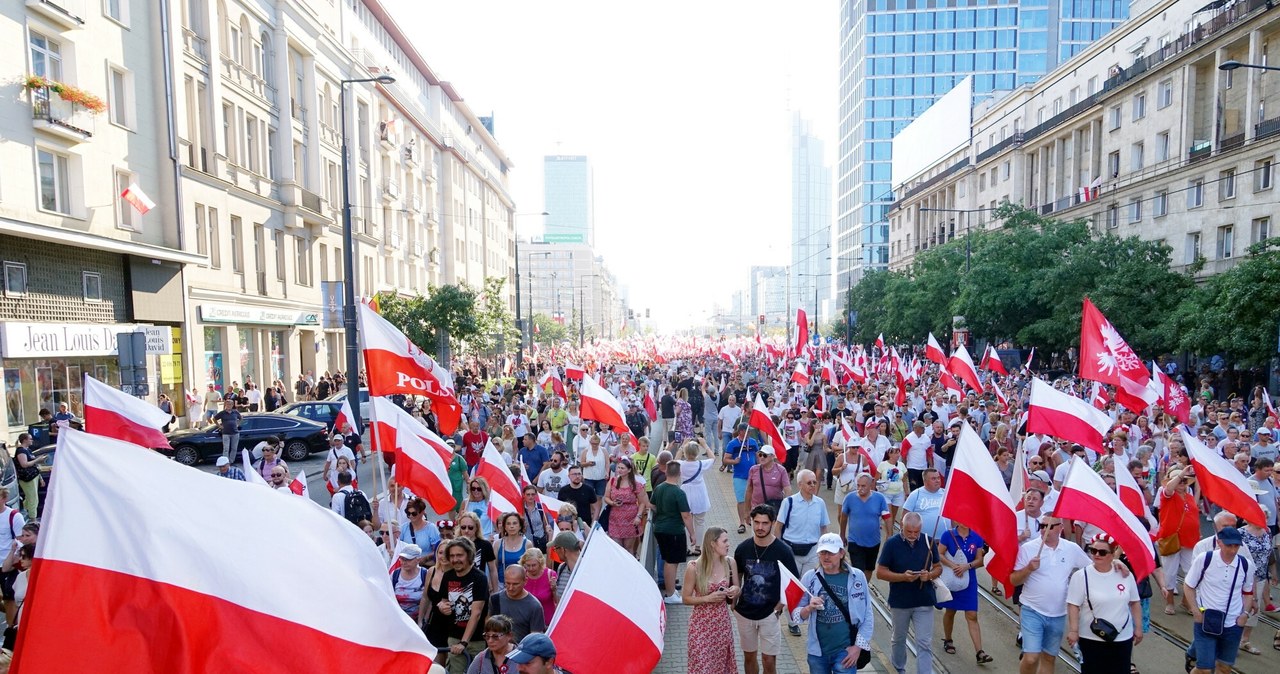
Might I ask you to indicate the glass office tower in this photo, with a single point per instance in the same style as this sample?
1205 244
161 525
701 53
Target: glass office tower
898 56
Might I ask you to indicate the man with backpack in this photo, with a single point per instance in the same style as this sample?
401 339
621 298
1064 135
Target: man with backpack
350 503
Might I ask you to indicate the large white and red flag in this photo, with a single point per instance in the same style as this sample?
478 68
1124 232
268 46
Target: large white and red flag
991 362
396 365
609 593
116 414
950 385
137 198
504 491
1132 496
1220 483
598 404
791 590
572 371
961 365
977 498
880 341
1086 498
1001 397
761 421
800 375
186 602
1055 413
802 332
933 351
422 458
550 382
1106 357
1173 398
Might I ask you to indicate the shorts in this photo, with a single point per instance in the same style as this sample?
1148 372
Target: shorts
740 489
672 547
6 584
1222 648
763 636
1040 633
894 499
598 486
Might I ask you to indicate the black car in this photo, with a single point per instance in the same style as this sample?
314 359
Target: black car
301 437
323 411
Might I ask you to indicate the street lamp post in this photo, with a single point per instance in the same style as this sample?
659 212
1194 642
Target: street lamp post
520 323
348 255
1232 65
582 309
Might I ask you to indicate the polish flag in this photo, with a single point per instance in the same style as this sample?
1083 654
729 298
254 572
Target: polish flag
504 496
1000 396
1018 485
761 421
1086 498
1106 357
991 362
1132 497
880 341
422 458
900 397
397 365
162 607
598 404
1031 356
1220 483
345 416
1098 396
791 589
138 199
116 414
802 331
961 365
1173 398
551 506
572 371
950 385
977 498
1055 413
550 382
1266 400
933 351
649 407
610 593
851 439
800 375
299 485
250 475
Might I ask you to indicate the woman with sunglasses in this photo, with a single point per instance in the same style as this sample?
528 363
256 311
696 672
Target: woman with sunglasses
537 524
469 528
498 644
1100 592
478 493
420 531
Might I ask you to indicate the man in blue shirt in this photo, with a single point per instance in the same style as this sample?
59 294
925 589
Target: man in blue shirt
533 455
862 518
741 454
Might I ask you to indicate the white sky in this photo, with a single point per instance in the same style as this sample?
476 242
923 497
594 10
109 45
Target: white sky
682 107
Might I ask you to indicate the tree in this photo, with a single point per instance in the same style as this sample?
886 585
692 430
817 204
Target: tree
496 325
448 310
1236 313
548 331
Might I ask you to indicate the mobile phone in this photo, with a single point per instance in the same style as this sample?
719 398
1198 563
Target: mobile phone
671 436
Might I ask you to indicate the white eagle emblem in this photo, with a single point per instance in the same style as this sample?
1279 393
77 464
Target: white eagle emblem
1117 357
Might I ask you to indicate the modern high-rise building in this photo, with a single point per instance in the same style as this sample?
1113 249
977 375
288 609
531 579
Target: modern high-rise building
567 194
898 56
769 286
810 221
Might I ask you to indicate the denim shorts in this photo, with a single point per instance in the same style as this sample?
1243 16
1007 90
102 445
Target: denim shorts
1041 634
740 489
598 486
1222 648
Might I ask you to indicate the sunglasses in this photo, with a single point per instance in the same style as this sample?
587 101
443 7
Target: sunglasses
488 636
1055 525
411 513
277 475
1096 552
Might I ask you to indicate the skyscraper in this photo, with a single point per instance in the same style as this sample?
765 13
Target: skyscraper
810 221
567 194
898 56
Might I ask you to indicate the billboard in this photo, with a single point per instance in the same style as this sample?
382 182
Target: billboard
940 131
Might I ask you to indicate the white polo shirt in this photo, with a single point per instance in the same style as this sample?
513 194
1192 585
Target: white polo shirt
1212 589
1045 590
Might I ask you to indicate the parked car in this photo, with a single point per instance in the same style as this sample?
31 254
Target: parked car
364 401
323 411
301 437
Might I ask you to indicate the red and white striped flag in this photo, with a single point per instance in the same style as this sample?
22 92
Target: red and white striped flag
299 485
116 414
1086 498
422 458
791 590
137 198
1055 413
961 365
976 497
344 417
396 365
1132 496
504 491
933 351
1098 396
761 421
1220 483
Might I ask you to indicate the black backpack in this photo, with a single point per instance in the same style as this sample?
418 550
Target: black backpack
355 507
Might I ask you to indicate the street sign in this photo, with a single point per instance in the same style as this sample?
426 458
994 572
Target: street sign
139 390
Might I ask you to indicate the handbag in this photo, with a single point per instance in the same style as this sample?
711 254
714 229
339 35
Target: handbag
953 582
1215 621
1170 545
864 656
1103 629
941 593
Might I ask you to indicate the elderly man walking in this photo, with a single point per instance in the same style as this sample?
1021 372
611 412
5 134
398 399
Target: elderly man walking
802 520
909 563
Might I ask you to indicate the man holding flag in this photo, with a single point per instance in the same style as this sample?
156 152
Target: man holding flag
838 608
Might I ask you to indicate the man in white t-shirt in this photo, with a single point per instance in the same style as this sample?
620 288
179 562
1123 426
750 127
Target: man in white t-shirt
1043 568
876 444
1217 580
519 422
728 416
916 451
554 476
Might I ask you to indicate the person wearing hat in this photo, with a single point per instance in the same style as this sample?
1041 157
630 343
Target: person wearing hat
409 580
830 614
637 419
1218 586
225 469
1264 448
1179 528
535 654
767 482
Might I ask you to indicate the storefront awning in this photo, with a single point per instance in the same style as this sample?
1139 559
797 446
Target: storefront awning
70 237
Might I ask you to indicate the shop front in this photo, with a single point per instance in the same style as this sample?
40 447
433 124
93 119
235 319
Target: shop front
238 344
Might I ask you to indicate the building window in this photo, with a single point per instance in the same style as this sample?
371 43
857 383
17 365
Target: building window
15 279
1006 169
251 143
1226 241
278 238
1113 216
303 254
1227 184
1162 146
117 9
202 232
1262 174
1139 106
1114 117
53 175
1261 229
237 245
1195 194
92 282
125 217
1193 247
46 57
229 142
1135 156
120 93
1113 164
215 240
1135 209
1160 204
1164 94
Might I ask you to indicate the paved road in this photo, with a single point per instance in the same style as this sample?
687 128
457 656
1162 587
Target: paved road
315 481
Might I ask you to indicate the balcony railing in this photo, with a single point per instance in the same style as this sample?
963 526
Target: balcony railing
1231 142
248 80
66 13
415 204
390 190
1200 150
1267 128
195 45
419 248
62 118
312 201
329 135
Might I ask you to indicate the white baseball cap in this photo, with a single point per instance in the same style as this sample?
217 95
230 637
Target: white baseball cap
830 543
223 461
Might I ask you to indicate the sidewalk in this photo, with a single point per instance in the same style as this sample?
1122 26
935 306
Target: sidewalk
675 657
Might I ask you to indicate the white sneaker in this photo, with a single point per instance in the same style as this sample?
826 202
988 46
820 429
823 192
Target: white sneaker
673 599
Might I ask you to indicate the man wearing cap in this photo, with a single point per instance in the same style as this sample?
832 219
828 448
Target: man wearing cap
535 654
1264 448
1043 569
225 469
740 453
768 481
834 591
1219 586
409 581
637 419
568 547
515 602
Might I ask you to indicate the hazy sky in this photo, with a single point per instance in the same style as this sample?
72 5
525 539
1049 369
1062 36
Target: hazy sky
683 108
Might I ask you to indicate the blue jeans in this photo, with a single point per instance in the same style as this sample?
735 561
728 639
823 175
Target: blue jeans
1213 649
829 664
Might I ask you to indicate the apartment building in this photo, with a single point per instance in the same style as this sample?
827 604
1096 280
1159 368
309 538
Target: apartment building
1142 133
572 285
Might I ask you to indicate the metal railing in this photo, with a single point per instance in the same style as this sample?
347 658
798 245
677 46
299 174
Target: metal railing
47 107
1266 128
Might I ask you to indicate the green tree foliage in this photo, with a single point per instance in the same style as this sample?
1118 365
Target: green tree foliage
548 330
496 324
448 310
1237 313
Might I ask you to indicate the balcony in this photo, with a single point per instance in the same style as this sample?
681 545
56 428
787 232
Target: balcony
1267 128
395 240
297 111
409 153
312 202
329 136
432 218
66 13
430 173
246 80
195 45
1231 142
1199 150
415 203
60 118
390 190
419 248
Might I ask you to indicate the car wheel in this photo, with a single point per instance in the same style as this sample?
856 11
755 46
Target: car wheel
186 455
296 450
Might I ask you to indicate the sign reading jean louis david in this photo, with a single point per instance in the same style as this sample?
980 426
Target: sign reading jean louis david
43 340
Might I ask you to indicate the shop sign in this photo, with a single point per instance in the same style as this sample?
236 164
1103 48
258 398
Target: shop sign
159 340
43 340
234 313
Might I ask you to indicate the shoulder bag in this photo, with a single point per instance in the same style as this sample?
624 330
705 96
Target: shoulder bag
941 593
953 582
1215 621
1103 629
1170 545
864 656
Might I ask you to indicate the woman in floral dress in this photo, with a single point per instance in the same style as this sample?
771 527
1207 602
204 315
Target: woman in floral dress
1257 541
684 417
710 586
627 505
